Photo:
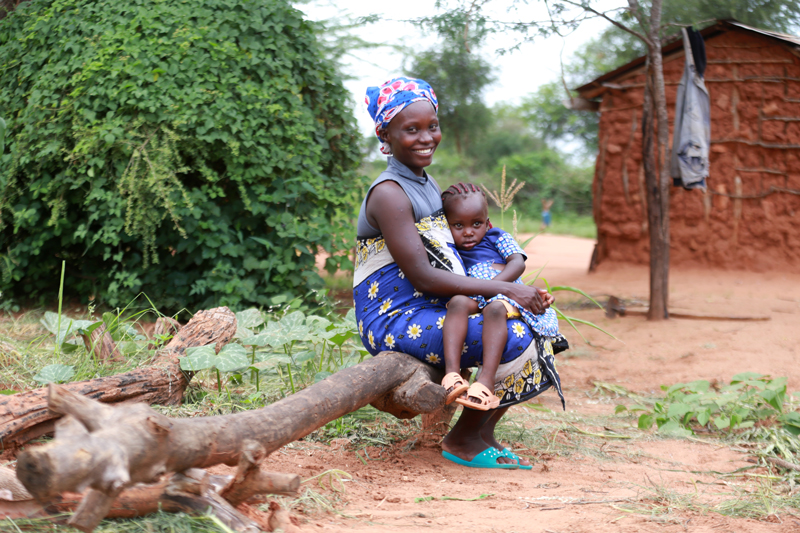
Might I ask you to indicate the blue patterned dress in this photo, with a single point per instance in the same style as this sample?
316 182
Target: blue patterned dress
496 247
393 315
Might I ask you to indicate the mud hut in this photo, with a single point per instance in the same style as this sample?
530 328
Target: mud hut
749 218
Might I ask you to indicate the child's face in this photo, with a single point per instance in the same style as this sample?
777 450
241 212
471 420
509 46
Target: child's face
468 218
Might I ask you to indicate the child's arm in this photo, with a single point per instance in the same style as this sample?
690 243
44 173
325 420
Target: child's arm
515 266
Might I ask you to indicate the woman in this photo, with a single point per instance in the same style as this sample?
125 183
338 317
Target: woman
407 268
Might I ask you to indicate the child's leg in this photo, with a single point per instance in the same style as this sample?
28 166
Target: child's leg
495 335
455 330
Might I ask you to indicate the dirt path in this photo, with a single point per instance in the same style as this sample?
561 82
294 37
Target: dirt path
592 485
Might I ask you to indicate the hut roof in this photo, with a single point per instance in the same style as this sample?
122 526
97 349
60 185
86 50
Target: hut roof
598 86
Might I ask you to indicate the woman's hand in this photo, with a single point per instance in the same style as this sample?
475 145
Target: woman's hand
533 298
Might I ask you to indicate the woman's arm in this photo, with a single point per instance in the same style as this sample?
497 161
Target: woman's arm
390 210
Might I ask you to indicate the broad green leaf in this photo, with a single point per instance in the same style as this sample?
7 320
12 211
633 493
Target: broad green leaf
302 357
199 358
745 376
674 429
645 421
350 317
274 335
249 318
56 373
319 376
619 409
293 326
7 392
340 338
772 398
791 422
232 357
276 359
256 340
722 422
68 326
318 322
703 417
677 410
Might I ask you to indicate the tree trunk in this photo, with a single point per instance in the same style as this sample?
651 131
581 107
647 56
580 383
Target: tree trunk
24 416
109 448
657 180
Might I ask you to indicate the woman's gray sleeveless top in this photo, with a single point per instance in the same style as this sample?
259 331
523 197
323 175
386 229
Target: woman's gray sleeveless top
424 194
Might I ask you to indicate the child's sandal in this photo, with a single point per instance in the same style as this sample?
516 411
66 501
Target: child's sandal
480 398
454 385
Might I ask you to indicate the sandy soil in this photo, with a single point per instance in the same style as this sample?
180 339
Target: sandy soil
586 491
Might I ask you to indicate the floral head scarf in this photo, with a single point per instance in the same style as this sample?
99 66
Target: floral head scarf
386 101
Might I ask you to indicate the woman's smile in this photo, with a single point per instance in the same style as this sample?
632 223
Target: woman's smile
414 135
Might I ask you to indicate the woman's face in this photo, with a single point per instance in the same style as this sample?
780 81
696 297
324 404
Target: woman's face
414 135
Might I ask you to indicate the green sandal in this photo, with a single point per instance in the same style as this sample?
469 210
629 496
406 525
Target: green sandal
505 452
486 459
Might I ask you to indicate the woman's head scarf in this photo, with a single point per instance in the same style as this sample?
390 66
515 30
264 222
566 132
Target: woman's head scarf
386 101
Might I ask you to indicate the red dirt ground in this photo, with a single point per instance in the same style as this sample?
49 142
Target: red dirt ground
381 495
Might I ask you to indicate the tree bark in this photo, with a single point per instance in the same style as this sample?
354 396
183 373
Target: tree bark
100 343
107 448
24 416
164 326
658 200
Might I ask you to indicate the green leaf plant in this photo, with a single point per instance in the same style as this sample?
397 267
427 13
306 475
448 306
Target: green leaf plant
203 151
292 347
749 400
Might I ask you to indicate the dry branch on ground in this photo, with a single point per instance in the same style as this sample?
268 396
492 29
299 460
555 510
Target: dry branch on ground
102 450
24 416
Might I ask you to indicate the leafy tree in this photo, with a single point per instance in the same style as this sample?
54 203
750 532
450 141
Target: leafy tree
547 175
615 47
459 78
776 15
201 152
508 132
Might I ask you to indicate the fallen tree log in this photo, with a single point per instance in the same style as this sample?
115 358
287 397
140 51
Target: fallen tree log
105 449
24 416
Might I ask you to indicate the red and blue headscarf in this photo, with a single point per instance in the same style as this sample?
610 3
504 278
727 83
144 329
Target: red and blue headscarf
386 101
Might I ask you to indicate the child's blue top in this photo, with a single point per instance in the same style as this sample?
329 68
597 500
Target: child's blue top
495 247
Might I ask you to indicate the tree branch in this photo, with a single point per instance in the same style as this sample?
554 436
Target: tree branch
612 21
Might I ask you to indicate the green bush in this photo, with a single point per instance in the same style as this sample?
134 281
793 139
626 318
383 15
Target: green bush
547 175
201 151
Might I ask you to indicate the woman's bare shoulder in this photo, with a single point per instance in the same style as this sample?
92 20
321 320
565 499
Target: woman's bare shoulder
387 195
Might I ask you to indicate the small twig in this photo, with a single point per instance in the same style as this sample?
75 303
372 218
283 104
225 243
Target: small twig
783 464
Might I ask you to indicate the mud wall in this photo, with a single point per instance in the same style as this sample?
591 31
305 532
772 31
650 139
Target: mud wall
754 86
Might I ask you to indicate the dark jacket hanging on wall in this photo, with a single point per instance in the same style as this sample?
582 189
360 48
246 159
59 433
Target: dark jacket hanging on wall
692 135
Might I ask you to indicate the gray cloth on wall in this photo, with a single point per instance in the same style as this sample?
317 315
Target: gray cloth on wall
691 137
424 193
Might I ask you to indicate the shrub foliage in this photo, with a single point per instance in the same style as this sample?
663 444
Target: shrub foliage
201 151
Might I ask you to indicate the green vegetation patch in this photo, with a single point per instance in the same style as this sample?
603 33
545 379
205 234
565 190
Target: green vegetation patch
201 151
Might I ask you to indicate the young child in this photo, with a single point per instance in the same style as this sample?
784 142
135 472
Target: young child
488 253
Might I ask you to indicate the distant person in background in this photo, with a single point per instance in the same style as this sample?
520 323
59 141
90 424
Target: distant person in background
547 218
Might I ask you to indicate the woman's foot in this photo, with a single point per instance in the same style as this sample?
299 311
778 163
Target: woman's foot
464 440
487 434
